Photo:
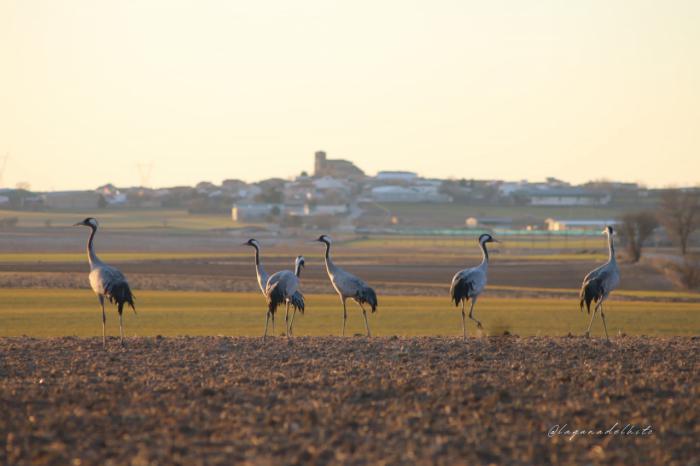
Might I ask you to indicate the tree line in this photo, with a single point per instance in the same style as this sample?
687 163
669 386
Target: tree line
678 213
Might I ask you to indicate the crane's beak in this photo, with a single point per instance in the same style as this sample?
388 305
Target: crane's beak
495 241
79 224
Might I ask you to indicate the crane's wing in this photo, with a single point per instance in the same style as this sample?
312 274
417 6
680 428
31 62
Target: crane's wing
110 282
594 273
597 284
467 284
355 288
288 282
281 286
354 282
364 294
103 276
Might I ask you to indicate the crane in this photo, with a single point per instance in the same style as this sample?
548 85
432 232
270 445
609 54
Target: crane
297 300
107 282
283 287
348 285
599 282
470 283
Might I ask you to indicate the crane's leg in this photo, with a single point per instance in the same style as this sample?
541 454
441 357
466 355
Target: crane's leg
286 320
273 323
471 311
602 314
291 322
121 324
104 322
588 331
345 316
364 314
464 322
267 321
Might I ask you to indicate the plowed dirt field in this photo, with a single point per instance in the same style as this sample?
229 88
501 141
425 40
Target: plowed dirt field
326 400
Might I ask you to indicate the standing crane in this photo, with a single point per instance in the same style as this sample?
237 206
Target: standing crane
297 300
283 287
348 285
598 284
107 282
470 283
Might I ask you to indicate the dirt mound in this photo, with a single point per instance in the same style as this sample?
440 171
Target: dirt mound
210 400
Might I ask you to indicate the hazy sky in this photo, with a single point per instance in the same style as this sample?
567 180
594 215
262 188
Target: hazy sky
208 90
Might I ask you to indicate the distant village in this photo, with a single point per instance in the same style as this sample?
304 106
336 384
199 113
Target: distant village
338 193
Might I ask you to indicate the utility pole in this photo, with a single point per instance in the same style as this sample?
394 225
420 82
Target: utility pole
145 170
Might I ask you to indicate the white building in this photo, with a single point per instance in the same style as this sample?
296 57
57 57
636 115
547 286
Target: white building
488 222
319 210
590 224
330 183
404 176
324 190
248 212
567 197
408 194
118 199
508 188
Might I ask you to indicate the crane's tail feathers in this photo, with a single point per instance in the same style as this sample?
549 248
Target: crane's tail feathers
121 294
591 292
367 296
275 297
459 290
297 301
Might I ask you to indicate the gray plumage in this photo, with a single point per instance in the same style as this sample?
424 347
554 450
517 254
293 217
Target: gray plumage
468 284
283 288
286 284
107 282
348 285
277 295
599 283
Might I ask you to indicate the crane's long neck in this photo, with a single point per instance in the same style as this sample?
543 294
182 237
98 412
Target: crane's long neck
259 271
297 269
330 266
484 254
92 257
611 249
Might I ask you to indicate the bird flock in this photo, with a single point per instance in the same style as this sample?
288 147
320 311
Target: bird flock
283 288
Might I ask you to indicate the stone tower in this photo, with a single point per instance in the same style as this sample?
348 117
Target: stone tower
320 163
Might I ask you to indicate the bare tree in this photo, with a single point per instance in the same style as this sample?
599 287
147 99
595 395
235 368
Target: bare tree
636 228
684 275
679 213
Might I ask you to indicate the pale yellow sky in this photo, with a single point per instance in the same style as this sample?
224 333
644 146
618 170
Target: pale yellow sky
208 90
